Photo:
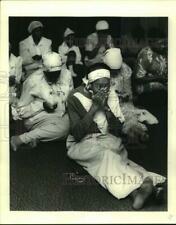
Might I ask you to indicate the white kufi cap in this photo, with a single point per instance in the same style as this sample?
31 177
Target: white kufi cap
102 25
52 62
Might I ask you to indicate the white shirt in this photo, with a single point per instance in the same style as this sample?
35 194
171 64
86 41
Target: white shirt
15 67
28 49
36 90
64 49
90 45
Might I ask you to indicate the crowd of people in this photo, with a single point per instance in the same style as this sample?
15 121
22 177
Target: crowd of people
88 101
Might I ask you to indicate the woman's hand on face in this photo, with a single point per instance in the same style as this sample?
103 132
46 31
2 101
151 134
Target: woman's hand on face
100 98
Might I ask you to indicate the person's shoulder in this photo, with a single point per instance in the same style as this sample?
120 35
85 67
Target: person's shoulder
74 91
46 40
13 57
62 45
36 77
65 72
25 41
127 71
75 48
109 36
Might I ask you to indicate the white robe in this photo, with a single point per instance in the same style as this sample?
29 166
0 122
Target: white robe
105 158
15 69
63 50
28 49
41 125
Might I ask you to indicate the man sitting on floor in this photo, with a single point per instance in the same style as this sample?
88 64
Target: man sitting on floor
42 105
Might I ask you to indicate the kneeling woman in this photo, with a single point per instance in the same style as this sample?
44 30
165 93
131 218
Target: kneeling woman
94 142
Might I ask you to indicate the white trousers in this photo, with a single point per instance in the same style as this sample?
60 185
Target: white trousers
46 130
105 158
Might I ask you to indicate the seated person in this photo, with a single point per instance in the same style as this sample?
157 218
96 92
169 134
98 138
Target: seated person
97 43
34 47
15 75
151 66
42 104
135 118
77 70
69 45
94 141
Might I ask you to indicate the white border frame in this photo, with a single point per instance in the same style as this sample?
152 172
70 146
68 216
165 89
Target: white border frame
128 8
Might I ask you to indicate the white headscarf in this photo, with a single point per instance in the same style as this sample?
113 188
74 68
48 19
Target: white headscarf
113 58
33 25
95 75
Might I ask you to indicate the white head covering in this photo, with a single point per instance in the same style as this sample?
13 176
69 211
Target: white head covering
113 58
68 31
97 74
33 25
52 62
102 25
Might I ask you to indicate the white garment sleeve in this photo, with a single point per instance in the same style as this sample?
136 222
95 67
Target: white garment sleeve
31 110
113 103
62 51
78 55
25 54
18 69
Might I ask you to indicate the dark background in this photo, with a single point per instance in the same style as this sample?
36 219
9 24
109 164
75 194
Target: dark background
37 176
54 27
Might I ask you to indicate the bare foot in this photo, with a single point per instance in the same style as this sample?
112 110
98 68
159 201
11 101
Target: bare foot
15 142
143 194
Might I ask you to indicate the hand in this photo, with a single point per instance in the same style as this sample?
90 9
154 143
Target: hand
22 112
12 80
100 98
49 107
37 57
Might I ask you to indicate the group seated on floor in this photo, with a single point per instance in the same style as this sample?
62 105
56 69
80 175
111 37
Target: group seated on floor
89 103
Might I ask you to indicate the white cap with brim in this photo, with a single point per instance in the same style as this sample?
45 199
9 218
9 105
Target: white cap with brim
68 31
33 25
102 25
52 62
113 58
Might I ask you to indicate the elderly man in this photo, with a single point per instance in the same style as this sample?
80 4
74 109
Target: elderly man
34 47
42 105
95 141
97 43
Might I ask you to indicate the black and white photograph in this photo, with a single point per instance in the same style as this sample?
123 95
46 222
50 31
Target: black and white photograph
88 114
